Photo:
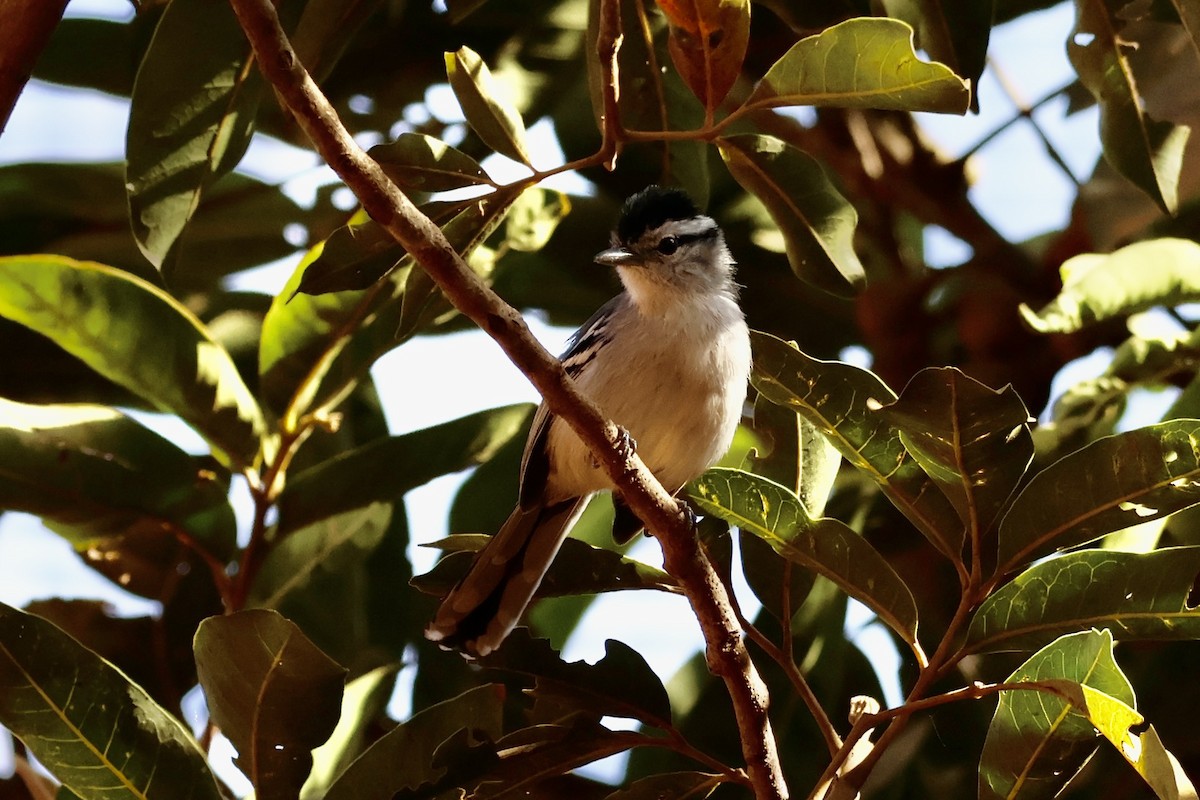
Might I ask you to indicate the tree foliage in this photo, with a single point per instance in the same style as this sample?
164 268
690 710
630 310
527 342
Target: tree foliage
1037 575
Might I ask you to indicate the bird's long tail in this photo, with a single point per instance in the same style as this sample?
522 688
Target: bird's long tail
486 604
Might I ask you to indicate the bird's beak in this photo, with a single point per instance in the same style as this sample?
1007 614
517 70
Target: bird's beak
616 257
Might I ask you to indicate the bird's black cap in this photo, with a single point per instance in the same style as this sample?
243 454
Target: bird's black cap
650 208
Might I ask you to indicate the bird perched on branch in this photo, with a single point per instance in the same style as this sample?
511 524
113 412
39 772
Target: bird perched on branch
667 360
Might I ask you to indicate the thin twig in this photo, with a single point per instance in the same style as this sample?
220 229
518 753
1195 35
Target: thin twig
388 206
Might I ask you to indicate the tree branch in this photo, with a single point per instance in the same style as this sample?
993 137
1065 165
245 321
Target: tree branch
387 205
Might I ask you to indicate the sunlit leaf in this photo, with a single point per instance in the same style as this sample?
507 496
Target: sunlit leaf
272 692
972 440
364 703
1134 595
707 42
1158 272
579 568
1038 741
95 731
403 758
861 63
841 401
825 546
956 34
91 473
1113 483
621 684
315 348
1148 152
1140 746
533 219
484 105
139 337
817 223
190 119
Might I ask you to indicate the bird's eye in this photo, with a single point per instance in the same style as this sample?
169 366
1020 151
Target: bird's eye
668 245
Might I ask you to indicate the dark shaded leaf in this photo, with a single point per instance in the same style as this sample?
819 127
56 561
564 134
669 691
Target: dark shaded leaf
1189 16
1038 741
190 120
403 758
92 473
972 440
420 163
1135 595
816 222
1148 152
95 731
621 684
272 692
1113 483
826 546
325 31
579 568
707 42
767 573
1159 272
139 337
839 400
335 546
861 63
353 479
670 786
485 105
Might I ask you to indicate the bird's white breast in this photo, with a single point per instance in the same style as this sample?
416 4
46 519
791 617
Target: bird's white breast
678 388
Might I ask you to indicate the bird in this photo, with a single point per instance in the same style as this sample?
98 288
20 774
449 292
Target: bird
667 359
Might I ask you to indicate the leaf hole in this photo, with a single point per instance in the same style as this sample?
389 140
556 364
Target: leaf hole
1083 39
1138 728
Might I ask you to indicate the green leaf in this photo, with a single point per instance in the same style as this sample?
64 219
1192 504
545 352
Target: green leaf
190 119
972 440
1159 272
708 40
1038 741
403 758
138 336
767 573
484 105
353 479
839 400
363 706
315 348
825 546
92 473
861 63
621 684
670 786
533 219
1113 483
420 163
335 545
1135 595
1142 748
354 257
1148 152
578 569
953 33
816 222
272 692
99 734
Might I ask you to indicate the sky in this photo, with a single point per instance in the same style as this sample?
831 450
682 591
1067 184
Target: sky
1031 56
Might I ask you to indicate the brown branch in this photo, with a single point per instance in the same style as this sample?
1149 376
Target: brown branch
23 36
387 205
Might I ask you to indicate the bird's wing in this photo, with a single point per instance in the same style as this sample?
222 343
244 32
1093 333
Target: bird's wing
535 461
